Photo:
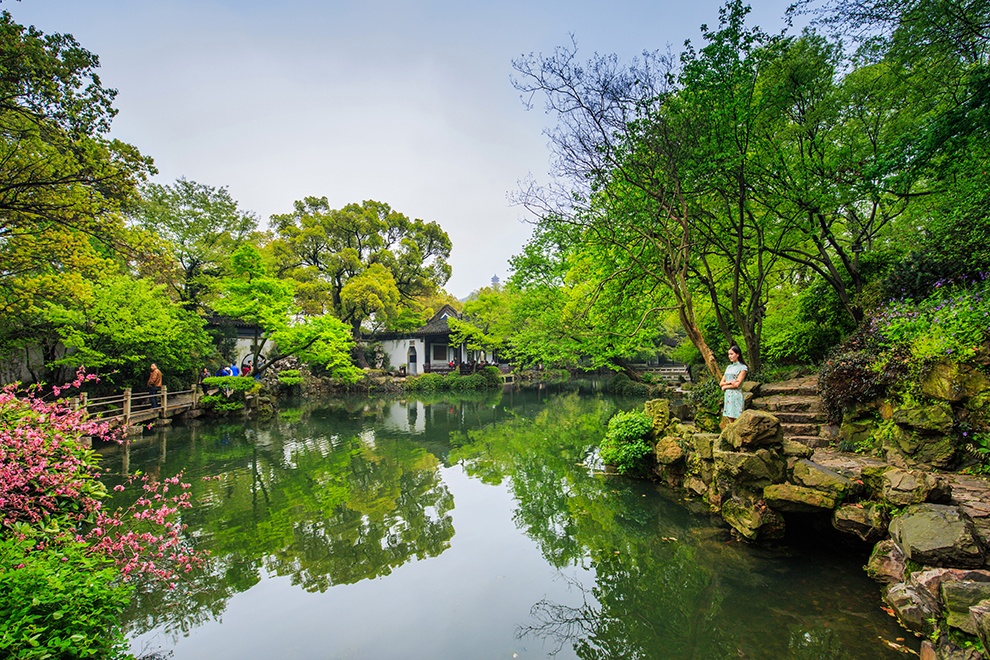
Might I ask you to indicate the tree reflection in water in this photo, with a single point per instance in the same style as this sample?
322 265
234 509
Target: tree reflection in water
336 493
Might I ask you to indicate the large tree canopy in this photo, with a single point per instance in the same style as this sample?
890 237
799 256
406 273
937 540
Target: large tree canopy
324 249
202 226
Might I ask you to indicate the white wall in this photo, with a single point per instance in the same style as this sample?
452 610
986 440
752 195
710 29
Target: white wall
398 353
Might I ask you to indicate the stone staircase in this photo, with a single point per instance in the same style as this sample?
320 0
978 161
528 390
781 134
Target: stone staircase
798 407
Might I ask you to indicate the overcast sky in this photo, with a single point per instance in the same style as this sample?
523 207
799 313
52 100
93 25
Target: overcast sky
408 103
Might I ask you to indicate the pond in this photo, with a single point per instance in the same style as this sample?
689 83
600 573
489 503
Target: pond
471 527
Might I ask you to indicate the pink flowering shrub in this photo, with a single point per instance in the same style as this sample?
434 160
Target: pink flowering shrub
51 515
146 538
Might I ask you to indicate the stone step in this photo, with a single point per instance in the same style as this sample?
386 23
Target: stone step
807 386
791 430
788 403
813 441
800 417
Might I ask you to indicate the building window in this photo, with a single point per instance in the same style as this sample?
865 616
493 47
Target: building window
439 352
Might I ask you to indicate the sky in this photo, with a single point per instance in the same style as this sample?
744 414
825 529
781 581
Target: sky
407 103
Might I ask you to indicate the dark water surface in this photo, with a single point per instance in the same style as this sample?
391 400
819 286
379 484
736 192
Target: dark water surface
473 527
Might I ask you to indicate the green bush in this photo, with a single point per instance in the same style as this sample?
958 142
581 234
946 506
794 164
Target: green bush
59 601
427 383
850 376
626 444
290 377
233 383
952 322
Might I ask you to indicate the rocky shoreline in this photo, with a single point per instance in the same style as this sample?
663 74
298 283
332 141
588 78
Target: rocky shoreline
930 530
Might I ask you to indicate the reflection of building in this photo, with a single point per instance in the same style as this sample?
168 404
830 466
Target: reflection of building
405 416
425 349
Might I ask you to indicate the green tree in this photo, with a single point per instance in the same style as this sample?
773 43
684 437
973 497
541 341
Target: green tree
267 304
323 249
123 326
62 183
202 226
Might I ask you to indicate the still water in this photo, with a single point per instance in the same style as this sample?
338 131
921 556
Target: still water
476 526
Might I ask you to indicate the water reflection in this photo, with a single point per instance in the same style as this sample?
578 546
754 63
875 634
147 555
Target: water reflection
346 492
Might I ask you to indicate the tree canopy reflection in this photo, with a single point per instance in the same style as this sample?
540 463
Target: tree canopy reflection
334 494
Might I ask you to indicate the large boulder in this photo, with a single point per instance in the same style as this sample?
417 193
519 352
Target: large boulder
812 475
977 410
980 614
795 449
914 608
751 471
704 443
937 535
952 381
958 597
658 410
907 446
798 499
854 432
752 429
887 562
935 416
931 579
905 487
753 519
669 450
867 522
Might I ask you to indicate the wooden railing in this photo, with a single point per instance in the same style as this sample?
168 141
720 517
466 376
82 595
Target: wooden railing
127 407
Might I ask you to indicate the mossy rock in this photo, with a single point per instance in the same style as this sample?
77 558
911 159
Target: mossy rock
909 446
954 381
935 416
753 519
812 475
798 499
857 431
658 410
669 450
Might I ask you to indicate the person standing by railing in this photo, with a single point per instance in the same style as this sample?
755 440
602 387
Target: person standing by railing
154 385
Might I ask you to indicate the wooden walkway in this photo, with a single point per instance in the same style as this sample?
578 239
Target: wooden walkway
128 409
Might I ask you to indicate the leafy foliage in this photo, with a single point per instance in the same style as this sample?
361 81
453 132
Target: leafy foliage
59 601
626 443
486 378
290 377
62 555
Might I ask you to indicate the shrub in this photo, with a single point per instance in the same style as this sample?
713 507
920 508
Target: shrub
625 444
61 594
426 383
290 377
951 322
59 601
623 385
853 374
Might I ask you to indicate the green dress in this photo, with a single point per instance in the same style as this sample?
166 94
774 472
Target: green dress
733 405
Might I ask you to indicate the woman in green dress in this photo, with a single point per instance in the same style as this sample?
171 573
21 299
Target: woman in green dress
731 384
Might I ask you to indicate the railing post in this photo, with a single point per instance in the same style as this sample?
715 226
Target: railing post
195 396
127 407
164 407
83 403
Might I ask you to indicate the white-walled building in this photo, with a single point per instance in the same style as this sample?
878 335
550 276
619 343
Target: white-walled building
425 349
